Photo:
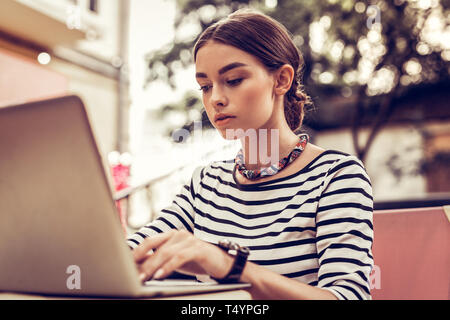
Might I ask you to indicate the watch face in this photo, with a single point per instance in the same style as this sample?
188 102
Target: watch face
245 250
224 243
240 253
233 248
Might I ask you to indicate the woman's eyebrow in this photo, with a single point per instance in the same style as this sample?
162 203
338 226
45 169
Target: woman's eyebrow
222 70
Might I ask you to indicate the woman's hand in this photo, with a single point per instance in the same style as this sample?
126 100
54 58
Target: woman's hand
158 256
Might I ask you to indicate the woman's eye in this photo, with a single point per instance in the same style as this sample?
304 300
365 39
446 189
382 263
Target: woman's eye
234 82
205 88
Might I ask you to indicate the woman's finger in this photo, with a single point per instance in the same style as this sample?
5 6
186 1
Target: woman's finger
166 251
173 263
140 253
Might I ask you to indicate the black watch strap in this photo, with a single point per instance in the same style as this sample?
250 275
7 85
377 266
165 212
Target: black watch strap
240 254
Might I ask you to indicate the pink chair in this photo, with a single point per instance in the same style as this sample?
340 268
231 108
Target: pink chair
411 252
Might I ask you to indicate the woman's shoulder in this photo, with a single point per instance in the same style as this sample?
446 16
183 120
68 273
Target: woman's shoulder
219 167
216 168
321 158
342 159
345 166
333 162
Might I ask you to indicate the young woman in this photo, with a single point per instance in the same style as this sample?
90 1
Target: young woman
297 228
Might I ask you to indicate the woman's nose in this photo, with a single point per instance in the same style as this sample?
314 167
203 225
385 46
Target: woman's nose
218 98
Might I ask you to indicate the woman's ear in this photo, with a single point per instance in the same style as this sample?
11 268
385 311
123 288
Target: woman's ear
283 79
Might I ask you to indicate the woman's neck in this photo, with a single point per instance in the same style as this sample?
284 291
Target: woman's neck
264 147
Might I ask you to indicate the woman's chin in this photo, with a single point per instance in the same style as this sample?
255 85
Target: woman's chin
228 134
232 133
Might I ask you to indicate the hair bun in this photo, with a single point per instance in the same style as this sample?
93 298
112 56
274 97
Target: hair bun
294 105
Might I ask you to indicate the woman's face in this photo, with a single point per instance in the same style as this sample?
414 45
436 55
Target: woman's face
235 85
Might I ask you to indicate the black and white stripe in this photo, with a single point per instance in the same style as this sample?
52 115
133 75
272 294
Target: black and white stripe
314 226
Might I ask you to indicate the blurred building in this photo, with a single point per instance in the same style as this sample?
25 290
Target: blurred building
50 48
410 156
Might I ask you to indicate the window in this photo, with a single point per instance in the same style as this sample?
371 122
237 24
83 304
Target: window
93 6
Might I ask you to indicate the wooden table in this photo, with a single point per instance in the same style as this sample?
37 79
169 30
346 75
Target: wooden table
223 295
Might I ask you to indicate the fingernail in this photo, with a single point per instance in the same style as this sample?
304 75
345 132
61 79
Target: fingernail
158 273
142 276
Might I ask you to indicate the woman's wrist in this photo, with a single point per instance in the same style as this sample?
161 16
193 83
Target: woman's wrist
217 263
228 261
240 255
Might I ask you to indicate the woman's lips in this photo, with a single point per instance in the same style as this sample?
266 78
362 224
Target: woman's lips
224 121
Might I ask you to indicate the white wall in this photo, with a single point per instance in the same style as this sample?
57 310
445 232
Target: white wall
99 94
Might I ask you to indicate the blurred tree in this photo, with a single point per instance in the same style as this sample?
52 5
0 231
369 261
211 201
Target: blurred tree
368 53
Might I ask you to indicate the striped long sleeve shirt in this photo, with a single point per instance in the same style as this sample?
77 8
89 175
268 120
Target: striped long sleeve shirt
314 226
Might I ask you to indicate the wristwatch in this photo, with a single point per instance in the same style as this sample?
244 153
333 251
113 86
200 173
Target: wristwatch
241 254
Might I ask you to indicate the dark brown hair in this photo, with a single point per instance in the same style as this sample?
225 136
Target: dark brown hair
270 42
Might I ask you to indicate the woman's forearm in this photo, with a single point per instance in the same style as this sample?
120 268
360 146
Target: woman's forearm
267 284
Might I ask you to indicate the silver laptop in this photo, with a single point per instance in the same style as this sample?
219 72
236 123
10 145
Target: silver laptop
59 229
